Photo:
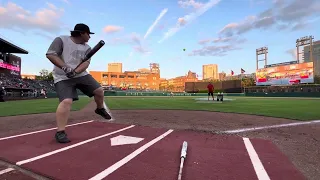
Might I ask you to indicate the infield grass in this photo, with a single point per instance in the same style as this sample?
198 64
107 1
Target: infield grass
298 109
11 108
291 108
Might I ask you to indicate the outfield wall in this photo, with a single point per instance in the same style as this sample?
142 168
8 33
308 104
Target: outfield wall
284 94
124 93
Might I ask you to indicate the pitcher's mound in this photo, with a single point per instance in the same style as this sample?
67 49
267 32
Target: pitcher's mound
205 100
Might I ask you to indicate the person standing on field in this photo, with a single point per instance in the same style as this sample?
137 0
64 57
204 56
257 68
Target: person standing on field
66 52
210 88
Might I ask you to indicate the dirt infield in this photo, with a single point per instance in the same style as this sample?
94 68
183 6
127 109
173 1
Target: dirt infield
301 143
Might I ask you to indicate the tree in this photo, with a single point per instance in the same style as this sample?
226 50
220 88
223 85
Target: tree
247 82
45 75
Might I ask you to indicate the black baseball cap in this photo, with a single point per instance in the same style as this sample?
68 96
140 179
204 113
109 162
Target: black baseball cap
82 28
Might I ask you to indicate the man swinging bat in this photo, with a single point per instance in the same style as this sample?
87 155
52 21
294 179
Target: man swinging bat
66 53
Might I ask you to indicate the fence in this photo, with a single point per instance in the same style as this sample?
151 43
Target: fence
232 86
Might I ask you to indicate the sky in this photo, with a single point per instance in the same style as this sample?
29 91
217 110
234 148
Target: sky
139 32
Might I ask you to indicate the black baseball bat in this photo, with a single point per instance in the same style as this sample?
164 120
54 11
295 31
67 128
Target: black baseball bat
92 52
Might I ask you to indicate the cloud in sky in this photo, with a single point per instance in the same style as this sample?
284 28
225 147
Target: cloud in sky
190 3
46 19
112 29
282 15
66 1
134 39
142 49
220 48
188 19
154 24
293 53
214 50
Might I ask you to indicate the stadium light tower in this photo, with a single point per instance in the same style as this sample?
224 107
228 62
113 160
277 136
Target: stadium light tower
260 51
307 40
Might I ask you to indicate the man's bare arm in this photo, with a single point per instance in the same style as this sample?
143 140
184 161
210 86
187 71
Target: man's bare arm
82 67
54 51
56 61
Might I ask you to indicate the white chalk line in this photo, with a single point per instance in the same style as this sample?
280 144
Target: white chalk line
269 127
6 171
126 159
34 132
257 164
71 146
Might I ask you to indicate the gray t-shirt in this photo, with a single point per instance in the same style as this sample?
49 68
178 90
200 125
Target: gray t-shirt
70 52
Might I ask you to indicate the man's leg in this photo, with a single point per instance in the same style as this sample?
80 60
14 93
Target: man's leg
90 87
62 113
99 97
66 93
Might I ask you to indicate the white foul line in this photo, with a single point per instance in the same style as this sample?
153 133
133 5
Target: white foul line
71 146
270 127
34 132
6 170
257 165
126 159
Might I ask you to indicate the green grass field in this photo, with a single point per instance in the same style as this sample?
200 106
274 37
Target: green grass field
11 108
299 109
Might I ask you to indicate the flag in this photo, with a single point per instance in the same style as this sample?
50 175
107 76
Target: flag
232 73
242 71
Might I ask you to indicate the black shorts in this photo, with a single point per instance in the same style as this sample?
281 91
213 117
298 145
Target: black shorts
68 88
210 93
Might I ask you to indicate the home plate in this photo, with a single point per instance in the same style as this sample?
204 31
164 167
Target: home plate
122 140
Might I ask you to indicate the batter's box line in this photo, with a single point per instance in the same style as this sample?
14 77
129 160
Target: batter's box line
268 127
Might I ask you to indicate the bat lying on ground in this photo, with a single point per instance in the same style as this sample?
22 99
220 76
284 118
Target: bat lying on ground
182 156
93 51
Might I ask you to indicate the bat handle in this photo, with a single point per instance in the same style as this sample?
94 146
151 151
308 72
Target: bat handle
180 170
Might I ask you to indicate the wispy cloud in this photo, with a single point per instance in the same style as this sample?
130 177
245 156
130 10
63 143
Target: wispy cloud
154 24
141 49
66 1
225 46
282 15
192 3
112 29
188 19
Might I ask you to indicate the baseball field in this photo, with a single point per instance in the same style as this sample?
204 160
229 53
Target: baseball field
241 137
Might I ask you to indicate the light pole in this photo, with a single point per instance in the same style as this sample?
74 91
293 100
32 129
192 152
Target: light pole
307 40
260 51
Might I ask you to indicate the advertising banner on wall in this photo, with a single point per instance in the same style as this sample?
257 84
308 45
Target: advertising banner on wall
285 75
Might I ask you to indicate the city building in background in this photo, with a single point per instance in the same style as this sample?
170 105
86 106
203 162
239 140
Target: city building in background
222 76
143 80
210 71
115 67
177 84
28 76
